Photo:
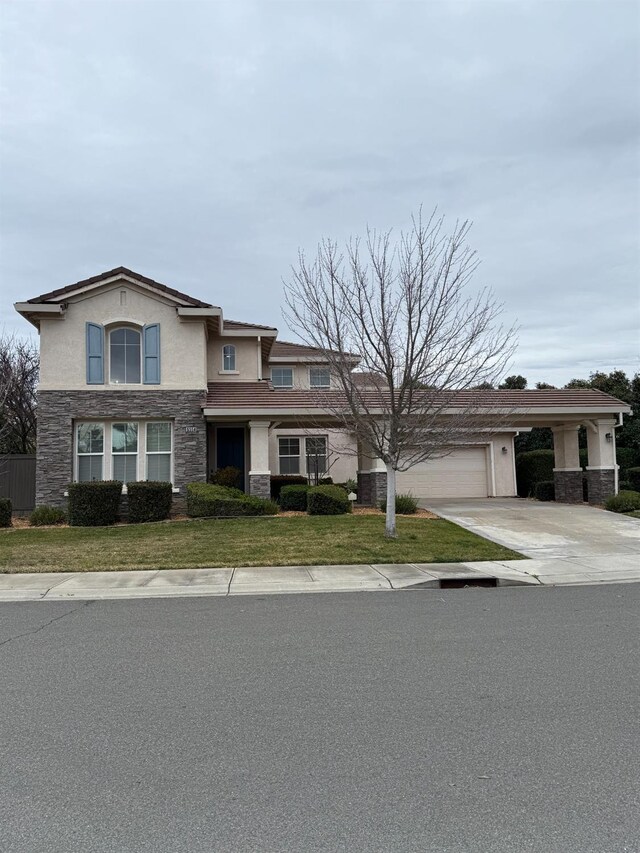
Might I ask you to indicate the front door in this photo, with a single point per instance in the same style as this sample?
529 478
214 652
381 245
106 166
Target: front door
230 449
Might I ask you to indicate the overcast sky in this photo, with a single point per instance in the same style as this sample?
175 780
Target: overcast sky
202 143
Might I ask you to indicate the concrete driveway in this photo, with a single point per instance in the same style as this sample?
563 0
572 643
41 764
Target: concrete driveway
565 543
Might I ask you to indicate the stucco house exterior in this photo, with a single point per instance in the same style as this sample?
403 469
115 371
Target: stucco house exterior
141 381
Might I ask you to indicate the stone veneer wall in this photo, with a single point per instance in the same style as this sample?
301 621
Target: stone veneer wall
372 487
568 486
601 484
57 411
260 485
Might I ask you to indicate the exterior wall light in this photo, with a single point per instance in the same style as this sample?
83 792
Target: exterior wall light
504 450
608 436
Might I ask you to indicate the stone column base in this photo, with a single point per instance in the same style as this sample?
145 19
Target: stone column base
260 485
568 486
601 483
372 487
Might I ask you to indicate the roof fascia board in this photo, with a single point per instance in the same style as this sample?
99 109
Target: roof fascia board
64 297
558 414
289 359
185 311
247 333
39 308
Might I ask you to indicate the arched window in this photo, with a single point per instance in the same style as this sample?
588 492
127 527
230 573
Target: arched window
124 356
229 357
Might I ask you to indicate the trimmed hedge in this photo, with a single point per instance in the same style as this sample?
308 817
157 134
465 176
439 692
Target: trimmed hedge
205 500
229 476
149 500
405 505
294 498
5 512
633 476
280 480
533 467
47 515
627 457
623 502
545 490
94 504
327 500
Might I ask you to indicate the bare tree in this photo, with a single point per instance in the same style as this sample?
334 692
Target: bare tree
19 368
402 311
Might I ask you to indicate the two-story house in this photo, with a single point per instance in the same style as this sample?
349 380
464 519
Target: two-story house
140 381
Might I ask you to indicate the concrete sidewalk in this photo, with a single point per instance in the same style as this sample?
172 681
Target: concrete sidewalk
266 580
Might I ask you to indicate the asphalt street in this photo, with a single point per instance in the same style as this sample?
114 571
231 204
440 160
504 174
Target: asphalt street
484 720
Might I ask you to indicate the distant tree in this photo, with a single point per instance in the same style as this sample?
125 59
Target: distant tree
514 383
485 386
541 386
578 383
19 368
404 308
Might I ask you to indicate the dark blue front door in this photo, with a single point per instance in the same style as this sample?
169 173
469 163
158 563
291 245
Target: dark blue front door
230 449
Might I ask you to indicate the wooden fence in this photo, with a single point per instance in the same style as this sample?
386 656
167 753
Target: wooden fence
18 480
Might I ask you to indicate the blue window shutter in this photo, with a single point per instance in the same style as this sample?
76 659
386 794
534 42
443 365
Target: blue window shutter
95 354
151 356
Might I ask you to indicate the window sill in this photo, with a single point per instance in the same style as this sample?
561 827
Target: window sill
174 490
320 387
229 373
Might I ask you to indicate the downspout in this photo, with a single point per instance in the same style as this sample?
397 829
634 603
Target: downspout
259 358
616 469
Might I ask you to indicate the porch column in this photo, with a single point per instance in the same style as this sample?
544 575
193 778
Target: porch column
567 473
372 476
602 471
259 472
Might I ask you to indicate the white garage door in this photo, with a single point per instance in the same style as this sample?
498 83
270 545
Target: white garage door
462 474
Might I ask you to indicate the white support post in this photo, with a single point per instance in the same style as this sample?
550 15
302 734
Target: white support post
259 472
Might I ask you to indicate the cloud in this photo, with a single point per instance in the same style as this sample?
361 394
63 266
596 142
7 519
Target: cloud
203 143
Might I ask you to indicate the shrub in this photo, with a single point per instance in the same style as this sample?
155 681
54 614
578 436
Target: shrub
5 512
45 515
280 480
623 502
633 476
405 505
205 500
229 476
325 481
294 497
94 504
626 486
149 500
533 467
545 490
327 500
349 486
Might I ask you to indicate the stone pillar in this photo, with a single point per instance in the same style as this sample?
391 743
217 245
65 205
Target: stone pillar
259 471
372 477
602 470
567 473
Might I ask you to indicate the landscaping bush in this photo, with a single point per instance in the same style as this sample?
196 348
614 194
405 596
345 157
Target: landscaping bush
405 505
349 486
627 457
327 500
545 490
626 486
633 476
94 504
5 512
46 515
623 502
294 498
229 476
149 500
280 480
533 467
325 481
206 500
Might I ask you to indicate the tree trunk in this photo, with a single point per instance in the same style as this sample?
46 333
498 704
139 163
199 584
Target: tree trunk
390 525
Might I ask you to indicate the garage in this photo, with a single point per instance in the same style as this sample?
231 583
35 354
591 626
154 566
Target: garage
462 474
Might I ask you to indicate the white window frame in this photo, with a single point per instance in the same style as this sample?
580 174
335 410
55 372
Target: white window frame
324 368
107 454
115 453
148 453
297 455
226 369
326 454
283 368
128 328
77 454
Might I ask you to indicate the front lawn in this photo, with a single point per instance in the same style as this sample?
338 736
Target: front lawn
303 540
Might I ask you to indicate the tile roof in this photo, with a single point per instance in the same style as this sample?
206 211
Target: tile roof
96 279
262 395
283 349
230 325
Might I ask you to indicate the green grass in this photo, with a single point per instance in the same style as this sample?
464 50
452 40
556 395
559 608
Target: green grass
634 514
274 541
